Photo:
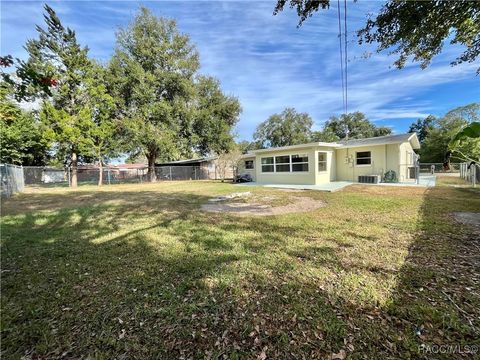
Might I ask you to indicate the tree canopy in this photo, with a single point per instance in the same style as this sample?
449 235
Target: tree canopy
287 128
414 30
22 137
422 127
354 126
445 128
149 100
167 109
58 53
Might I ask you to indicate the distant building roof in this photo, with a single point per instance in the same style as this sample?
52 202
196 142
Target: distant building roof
189 161
128 166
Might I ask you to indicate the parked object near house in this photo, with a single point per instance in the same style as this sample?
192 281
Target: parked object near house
349 160
243 178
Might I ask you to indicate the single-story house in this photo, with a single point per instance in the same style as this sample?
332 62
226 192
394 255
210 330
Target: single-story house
359 160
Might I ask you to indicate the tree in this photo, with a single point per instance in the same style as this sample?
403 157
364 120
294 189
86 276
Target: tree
436 144
413 29
215 114
22 137
166 110
287 128
471 131
28 79
354 126
246 146
326 135
422 127
102 140
228 160
57 52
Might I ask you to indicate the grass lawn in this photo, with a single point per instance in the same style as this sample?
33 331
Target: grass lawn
138 271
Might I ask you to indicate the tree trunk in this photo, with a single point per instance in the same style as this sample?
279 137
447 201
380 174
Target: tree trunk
100 175
151 175
74 166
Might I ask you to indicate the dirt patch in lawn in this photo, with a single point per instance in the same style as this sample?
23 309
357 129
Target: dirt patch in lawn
295 205
468 218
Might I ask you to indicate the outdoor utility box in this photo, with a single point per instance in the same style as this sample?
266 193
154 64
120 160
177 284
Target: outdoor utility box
412 172
369 179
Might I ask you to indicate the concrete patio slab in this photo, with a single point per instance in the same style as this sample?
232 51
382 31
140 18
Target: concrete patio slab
424 181
329 187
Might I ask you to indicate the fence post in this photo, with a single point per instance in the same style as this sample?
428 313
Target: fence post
170 168
108 175
474 174
68 175
195 170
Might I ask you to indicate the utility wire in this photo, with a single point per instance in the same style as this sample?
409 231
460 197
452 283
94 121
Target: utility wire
341 55
346 58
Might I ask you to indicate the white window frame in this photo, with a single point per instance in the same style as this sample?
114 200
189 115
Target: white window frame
324 161
290 163
262 165
253 165
363 165
299 163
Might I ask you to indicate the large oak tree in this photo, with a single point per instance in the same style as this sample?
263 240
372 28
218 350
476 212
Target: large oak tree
167 110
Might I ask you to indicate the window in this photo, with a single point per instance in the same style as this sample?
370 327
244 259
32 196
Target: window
364 158
267 164
248 164
285 163
322 161
299 162
282 163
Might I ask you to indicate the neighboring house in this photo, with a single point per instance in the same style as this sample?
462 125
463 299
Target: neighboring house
317 163
208 167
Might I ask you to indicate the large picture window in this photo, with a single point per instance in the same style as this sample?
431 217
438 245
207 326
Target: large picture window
267 164
322 161
364 158
285 163
248 164
299 162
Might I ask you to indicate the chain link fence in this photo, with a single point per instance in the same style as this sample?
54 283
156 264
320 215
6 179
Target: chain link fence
12 179
49 176
433 168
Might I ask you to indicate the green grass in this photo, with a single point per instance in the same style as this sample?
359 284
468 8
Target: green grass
139 271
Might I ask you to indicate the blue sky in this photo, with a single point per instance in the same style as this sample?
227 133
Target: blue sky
269 63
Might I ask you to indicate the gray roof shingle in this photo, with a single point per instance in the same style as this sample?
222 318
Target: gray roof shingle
380 140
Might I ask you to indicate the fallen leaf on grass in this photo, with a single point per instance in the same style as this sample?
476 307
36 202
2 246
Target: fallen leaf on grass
340 355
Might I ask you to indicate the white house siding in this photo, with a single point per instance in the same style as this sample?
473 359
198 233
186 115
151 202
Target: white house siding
406 160
383 158
307 178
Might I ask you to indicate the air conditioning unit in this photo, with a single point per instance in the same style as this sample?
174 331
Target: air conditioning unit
369 179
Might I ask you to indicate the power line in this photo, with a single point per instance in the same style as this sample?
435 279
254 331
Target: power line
341 55
346 58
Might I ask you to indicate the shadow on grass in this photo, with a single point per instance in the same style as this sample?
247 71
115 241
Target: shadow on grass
146 274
